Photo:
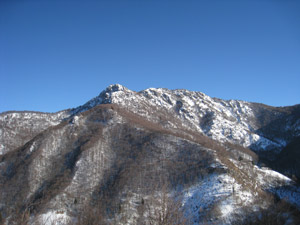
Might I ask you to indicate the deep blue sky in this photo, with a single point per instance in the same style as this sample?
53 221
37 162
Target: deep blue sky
59 54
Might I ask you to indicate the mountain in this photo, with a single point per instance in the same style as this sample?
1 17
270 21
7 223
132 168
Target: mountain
156 156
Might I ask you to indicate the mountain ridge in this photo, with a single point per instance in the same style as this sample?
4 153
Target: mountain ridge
110 95
122 150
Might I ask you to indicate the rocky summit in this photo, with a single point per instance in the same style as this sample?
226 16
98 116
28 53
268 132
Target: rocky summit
157 156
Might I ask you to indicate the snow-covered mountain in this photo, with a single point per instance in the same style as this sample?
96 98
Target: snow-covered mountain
126 157
232 121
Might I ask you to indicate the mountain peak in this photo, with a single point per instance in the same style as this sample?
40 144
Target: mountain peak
115 88
105 97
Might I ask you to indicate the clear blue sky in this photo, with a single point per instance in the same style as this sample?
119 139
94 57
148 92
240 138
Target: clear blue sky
59 54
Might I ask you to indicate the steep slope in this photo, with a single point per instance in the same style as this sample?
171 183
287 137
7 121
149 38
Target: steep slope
125 157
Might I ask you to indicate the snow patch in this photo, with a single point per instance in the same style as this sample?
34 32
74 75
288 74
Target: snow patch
32 147
270 179
214 192
58 217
